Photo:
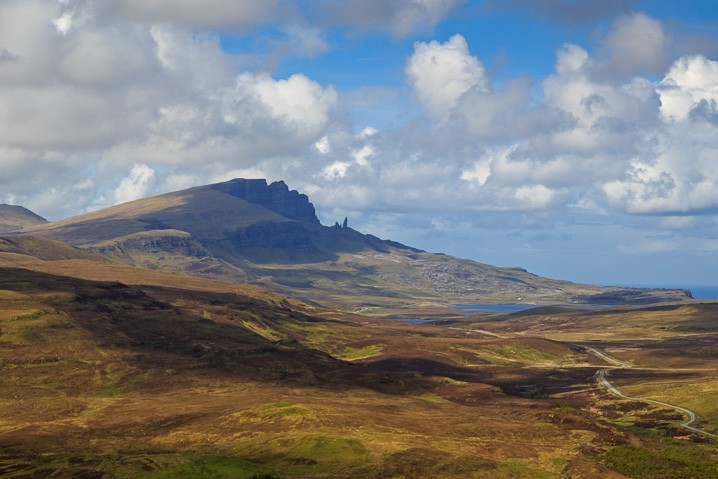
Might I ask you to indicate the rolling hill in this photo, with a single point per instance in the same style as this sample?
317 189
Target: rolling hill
14 218
250 231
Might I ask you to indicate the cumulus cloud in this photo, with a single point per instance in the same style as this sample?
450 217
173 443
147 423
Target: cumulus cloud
692 81
81 88
440 73
300 104
135 184
323 145
143 99
602 137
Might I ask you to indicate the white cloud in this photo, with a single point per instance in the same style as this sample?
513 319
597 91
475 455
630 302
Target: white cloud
323 145
367 132
361 156
300 103
479 172
534 196
135 184
571 59
63 23
691 80
100 89
441 72
337 169
178 181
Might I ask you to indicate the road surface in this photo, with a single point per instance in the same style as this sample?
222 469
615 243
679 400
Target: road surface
602 375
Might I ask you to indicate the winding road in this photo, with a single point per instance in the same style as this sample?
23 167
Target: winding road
602 375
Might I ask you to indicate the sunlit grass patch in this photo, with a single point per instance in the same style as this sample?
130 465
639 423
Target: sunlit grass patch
219 467
313 452
349 353
7 295
667 462
37 314
700 395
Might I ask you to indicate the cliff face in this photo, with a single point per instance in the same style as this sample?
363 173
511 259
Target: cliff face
276 197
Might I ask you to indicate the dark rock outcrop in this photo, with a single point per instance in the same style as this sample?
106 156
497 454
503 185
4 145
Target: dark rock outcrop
276 197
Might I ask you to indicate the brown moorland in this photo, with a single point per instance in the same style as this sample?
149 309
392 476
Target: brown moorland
116 371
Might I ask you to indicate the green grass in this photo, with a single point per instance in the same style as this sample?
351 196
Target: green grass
349 353
29 316
510 354
280 410
21 336
568 408
215 467
309 454
698 395
669 462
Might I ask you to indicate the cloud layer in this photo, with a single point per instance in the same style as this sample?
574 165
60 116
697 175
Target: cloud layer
102 102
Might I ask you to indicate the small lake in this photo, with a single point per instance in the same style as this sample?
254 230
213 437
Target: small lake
412 320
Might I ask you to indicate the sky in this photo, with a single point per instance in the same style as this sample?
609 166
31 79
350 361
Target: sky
576 139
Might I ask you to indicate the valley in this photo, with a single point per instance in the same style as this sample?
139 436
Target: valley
223 332
163 375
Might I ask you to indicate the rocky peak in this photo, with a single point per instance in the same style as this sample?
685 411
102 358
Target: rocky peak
276 197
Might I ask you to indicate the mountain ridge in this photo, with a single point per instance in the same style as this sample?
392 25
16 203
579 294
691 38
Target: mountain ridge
246 230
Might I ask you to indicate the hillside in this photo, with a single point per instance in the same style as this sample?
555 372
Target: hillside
168 376
14 218
44 249
249 231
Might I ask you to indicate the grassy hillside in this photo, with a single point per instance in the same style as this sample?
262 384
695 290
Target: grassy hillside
15 218
202 212
44 249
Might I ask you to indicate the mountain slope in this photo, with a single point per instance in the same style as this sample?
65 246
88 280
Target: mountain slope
44 249
14 218
249 231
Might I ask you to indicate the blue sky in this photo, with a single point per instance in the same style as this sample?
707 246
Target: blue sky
576 139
